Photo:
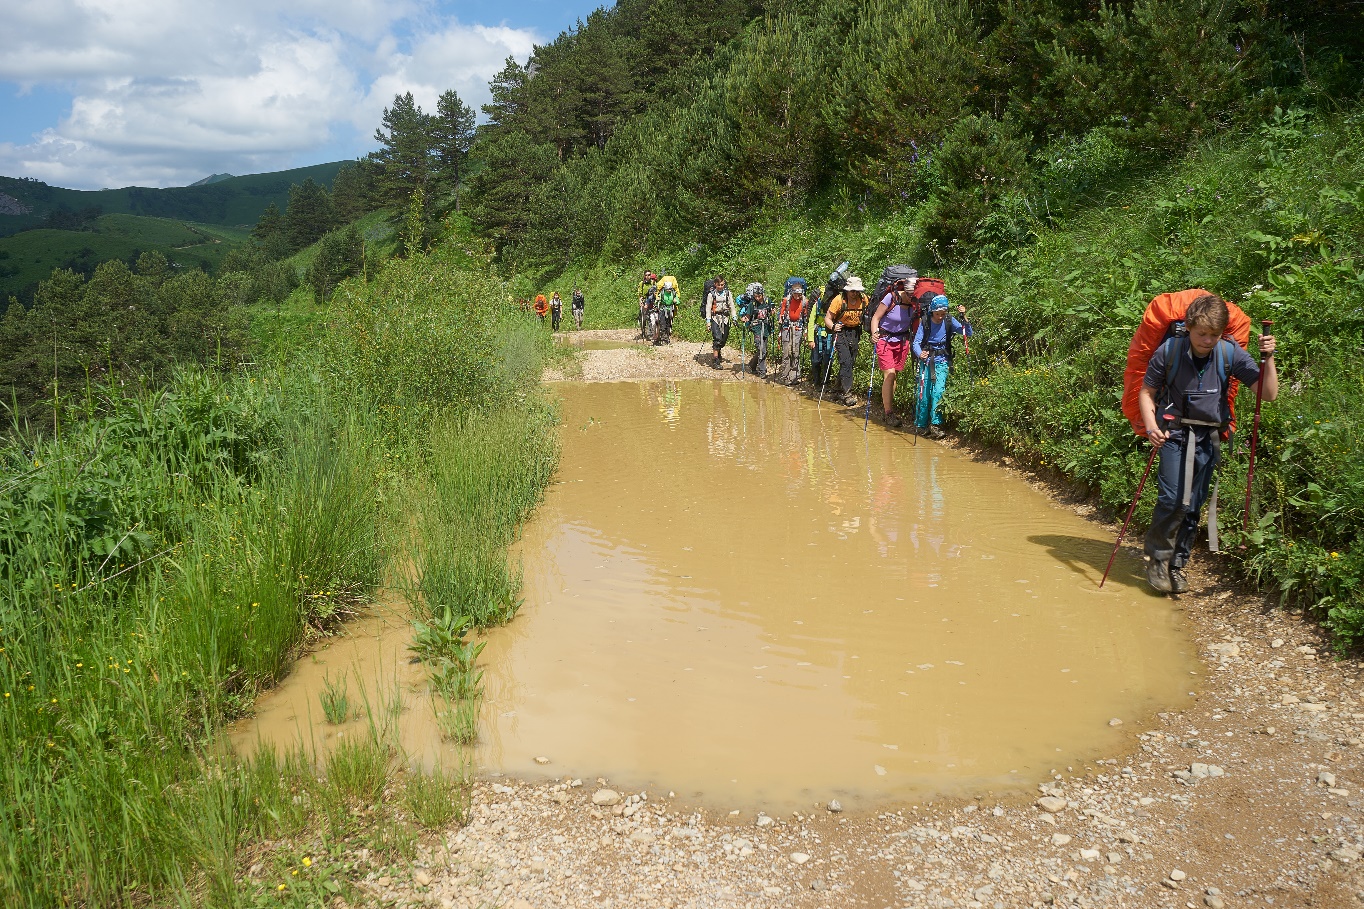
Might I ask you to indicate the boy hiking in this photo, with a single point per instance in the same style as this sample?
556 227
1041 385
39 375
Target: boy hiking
933 351
556 310
793 312
579 304
1184 406
844 319
755 311
719 308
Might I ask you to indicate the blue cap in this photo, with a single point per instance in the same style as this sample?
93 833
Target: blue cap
939 302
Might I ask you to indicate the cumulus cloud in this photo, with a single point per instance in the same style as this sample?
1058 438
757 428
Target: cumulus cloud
166 92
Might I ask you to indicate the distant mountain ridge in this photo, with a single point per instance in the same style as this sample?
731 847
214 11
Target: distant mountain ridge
220 199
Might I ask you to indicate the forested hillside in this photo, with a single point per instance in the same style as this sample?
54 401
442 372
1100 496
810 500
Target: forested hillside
236 201
667 124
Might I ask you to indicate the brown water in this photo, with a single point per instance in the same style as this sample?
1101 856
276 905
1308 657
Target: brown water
735 596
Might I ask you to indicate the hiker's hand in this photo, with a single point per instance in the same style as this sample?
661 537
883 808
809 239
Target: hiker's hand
1267 345
961 309
1157 436
810 344
924 355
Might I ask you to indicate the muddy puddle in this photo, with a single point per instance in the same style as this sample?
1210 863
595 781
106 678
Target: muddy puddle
738 597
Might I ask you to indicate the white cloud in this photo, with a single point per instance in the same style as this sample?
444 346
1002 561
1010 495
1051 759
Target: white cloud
165 92
461 57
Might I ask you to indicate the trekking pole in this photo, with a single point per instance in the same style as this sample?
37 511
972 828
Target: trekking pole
743 354
827 370
871 380
1255 433
918 377
1155 449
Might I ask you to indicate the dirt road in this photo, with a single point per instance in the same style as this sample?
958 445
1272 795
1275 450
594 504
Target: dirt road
1248 797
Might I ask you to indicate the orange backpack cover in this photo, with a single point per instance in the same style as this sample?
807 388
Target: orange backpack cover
1161 312
540 305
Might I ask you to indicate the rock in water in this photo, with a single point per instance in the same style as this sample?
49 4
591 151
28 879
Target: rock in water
606 797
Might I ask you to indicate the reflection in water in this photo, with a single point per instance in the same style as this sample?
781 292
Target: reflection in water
738 596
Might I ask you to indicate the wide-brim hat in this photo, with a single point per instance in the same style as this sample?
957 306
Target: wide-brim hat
855 283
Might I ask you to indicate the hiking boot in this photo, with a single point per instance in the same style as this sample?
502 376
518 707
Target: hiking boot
1158 576
851 400
893 421
936 432
1178 582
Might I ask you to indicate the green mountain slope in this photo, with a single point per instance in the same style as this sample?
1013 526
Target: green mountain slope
29 257
236 201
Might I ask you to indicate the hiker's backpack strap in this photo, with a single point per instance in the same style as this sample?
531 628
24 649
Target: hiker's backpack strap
1224 371
1174 358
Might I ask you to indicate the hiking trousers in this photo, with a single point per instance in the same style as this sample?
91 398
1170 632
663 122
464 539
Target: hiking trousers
760 350
578 317
554 314
791 340
719 333
846 343
1188 460
930 383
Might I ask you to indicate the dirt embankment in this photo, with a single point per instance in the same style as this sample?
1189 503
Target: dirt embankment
1249 797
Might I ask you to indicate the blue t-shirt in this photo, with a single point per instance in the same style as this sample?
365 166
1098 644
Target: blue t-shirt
1201 374
938 335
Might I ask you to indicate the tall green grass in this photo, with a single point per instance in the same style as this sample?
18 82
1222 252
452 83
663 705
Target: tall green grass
165 554
486 473
161 561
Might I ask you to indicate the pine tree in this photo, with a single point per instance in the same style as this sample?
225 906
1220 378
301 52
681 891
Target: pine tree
404 159
452 132
340 255
310 214
353 190
269 233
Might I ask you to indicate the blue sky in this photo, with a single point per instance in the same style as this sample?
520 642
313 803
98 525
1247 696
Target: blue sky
97 93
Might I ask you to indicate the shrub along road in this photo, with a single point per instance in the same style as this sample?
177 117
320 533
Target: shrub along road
1250 796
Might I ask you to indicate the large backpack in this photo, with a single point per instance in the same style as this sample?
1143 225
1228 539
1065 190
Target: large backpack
889 276
1163 316
705 295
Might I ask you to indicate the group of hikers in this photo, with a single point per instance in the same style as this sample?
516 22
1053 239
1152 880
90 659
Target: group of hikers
554 308
658 299
905 315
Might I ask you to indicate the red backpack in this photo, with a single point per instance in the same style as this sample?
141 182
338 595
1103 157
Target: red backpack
1157 324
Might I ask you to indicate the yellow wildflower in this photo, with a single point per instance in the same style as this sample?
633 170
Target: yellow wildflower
307 862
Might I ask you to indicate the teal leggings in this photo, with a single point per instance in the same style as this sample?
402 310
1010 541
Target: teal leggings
931 382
